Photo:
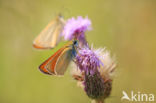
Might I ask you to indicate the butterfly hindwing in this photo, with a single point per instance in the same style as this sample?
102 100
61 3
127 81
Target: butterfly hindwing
63 61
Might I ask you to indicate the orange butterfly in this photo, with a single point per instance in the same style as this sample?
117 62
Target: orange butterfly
50 35
59 61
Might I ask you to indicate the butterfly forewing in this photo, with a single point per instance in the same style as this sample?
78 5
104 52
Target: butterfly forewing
47 67
50 36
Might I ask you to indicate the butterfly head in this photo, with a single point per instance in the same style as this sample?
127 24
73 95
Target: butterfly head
75 43
75 46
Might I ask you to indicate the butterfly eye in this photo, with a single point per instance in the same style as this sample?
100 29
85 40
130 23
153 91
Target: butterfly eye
75 43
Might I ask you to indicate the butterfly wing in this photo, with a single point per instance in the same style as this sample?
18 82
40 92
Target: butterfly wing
50 36
58 62
47 67
63 61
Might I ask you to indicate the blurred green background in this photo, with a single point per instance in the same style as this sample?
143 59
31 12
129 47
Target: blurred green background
126 27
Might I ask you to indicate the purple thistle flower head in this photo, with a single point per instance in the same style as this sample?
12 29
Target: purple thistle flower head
95 84
76 28
87 61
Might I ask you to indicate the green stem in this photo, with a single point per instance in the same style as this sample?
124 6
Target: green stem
98 101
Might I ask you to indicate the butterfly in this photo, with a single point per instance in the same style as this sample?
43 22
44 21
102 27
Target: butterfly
50 36
57 64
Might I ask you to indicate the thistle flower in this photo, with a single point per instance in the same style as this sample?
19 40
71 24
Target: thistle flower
109 63
76 28
95 67
87 61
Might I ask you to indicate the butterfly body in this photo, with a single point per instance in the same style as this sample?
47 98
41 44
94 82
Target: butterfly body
59 61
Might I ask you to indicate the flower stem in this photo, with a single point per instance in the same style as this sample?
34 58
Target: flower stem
97 101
